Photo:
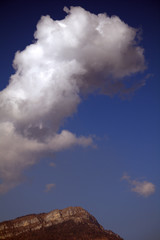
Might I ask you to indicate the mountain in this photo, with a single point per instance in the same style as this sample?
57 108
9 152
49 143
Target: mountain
73 223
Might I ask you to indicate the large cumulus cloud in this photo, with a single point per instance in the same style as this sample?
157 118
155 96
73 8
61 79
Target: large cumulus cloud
77 55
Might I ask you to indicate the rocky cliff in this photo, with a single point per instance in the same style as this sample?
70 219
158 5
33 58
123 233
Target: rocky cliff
73 223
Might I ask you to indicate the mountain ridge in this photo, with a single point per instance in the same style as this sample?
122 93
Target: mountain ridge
72 223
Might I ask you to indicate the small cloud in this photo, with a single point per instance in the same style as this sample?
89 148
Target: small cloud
49 187
52 164
143 188
126 177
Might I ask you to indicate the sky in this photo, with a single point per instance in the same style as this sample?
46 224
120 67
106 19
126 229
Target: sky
79 111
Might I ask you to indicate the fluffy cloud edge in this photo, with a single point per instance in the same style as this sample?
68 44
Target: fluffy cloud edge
23 152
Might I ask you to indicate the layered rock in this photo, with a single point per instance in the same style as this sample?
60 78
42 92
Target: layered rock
73 223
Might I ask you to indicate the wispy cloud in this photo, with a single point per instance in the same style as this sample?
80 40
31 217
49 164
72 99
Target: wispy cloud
79 54
52 164
49 187
143 188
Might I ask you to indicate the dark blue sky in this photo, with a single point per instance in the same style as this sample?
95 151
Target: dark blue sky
126 131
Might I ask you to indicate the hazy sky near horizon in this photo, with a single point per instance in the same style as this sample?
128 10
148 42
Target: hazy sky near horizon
79 111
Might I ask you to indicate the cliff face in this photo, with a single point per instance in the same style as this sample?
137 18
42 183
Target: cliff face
73 223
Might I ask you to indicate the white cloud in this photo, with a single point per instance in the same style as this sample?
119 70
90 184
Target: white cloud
76 55
49 187
143 188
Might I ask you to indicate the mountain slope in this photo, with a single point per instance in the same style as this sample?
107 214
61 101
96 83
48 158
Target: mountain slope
73 223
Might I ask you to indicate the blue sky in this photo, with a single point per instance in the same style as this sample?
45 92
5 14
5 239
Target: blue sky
118 180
